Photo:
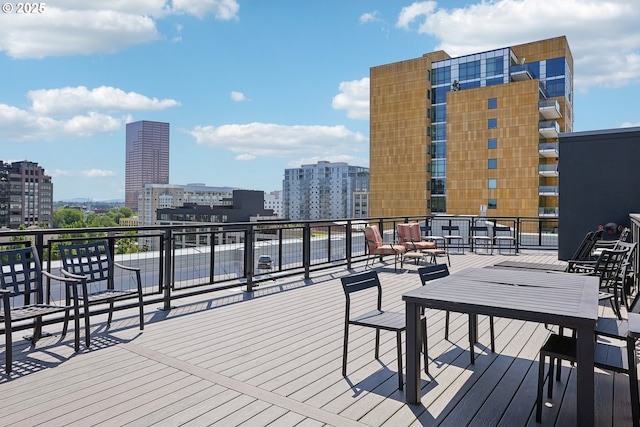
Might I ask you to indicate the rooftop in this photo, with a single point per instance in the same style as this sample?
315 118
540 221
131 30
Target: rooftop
273 358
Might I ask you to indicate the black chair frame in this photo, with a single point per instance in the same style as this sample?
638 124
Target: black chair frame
93 265
22 291
377 319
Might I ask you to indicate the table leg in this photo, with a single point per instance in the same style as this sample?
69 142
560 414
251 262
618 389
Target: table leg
414 334
585 357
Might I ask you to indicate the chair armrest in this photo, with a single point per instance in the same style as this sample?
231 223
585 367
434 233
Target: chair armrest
634 325
126 267
135 270
71 282
70 275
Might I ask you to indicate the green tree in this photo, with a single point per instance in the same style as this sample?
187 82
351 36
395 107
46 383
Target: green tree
66 217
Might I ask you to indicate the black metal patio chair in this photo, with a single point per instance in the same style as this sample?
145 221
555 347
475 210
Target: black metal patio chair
92 264
377 319
615 358
22 291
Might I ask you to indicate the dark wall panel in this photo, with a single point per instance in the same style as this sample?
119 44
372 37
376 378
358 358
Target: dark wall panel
599 180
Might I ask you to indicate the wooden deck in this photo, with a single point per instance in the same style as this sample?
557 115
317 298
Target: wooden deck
274 359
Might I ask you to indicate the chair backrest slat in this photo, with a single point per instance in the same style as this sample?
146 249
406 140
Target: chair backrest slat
608 266
432 272
21 274
91 259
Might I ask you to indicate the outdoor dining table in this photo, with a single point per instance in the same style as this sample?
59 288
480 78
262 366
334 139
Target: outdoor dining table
568 300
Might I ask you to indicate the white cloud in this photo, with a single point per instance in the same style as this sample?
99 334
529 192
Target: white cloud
354 98
221 9
238 96
273 140
73 113
78 27
245 157
97 173
365 18
604 35
70 100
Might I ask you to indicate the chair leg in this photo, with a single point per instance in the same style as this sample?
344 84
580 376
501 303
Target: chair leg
8 345
550 384
110 313
400 369
633 381
446 326
426 347
493 337
377 343
540 388
141 302
344 350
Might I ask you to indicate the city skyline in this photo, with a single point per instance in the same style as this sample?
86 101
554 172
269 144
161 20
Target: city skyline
253 88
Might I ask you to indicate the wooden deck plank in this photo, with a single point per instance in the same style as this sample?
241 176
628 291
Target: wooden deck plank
274 358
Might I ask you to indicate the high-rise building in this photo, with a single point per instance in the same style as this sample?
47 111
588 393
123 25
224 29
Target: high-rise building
323 191
26 195
480 131
274 202
147 158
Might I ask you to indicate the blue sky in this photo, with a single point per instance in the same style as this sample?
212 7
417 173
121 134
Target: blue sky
253 87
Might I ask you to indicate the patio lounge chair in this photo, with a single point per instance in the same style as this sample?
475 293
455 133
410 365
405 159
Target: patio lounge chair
377 248
409 236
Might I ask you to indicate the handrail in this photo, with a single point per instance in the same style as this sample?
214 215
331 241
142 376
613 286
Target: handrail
187 259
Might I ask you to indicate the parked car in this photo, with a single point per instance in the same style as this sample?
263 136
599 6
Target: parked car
265 262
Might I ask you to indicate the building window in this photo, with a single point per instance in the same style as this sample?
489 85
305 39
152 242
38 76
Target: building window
494 66
469 70
492 143
492 104
492 123
492 204
493 184
493 163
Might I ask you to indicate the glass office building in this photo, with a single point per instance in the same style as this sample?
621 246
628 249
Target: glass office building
455 135
147 158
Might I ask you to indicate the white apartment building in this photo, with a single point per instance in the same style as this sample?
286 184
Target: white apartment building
323 191
274 202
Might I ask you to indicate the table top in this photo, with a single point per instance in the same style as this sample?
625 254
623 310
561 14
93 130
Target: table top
557 298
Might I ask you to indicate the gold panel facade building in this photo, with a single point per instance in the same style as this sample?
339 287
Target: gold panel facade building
454 135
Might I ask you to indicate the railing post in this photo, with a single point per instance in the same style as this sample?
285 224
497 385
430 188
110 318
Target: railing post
306 249
348 243
329 243
248 256
168 268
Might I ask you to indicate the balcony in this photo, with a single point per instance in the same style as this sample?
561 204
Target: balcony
548 212
548 150
520 73
549 109
548 190
548 170
549 129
